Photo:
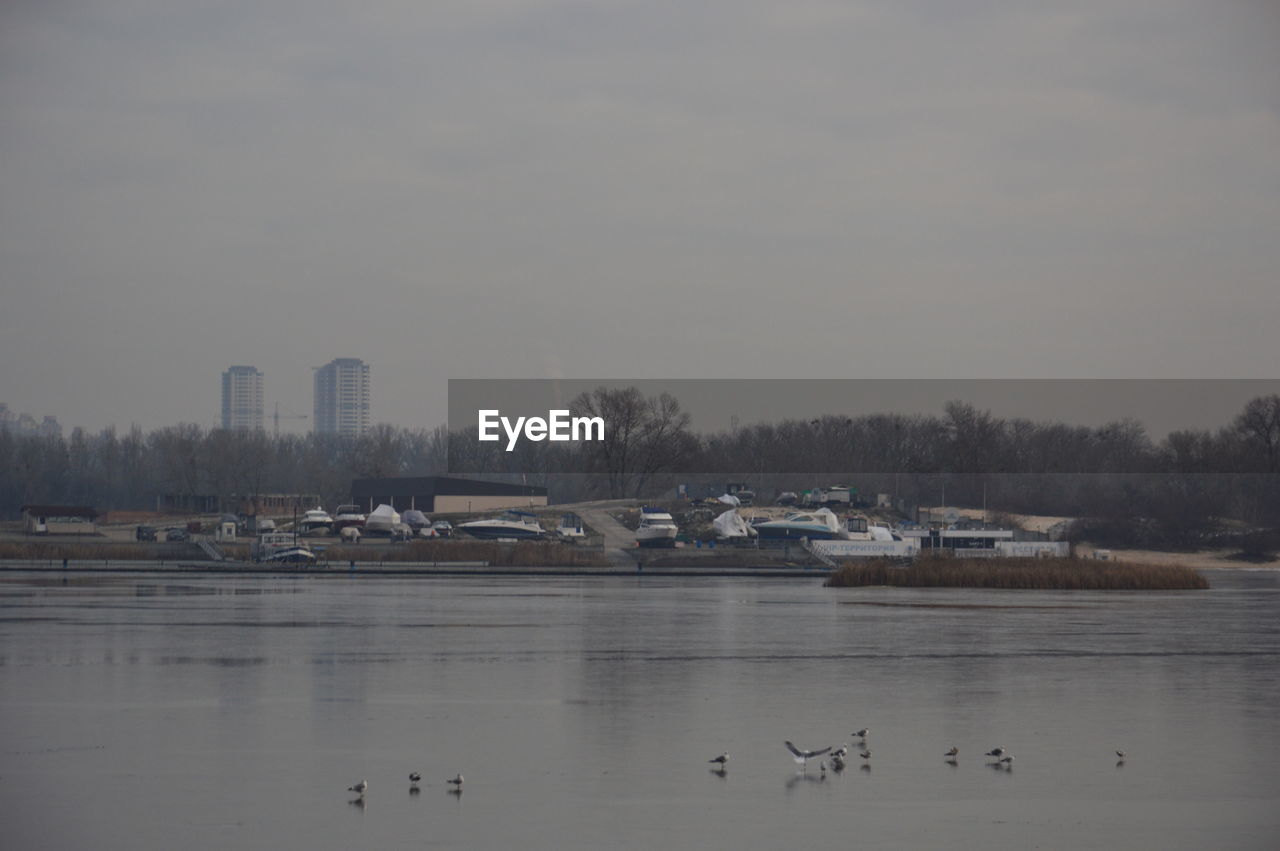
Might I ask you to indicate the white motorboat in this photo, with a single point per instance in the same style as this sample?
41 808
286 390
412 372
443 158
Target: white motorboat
571 527
347 515
657 528
315 522
518 525
280 548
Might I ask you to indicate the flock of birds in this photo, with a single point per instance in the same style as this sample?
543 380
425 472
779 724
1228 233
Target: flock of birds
1001 757
1002 760
415 777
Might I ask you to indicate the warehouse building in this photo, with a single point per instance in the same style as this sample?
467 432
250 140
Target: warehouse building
444 495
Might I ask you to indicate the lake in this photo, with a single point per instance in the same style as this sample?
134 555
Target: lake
156 711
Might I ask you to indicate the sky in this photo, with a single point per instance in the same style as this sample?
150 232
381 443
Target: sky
538 189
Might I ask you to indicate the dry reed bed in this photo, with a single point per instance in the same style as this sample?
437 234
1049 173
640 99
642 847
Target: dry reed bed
97 551
1061 574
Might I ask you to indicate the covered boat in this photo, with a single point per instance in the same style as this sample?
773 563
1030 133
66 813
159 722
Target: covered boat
518 525
820 525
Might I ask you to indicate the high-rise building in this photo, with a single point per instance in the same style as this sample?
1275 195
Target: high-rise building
342 397
242 398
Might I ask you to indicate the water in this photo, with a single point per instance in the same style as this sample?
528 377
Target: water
155 712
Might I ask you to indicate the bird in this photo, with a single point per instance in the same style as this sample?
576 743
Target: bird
953 752
865 754
1008 761
359 787
414 777
722 759
803 757
457 781
837 763
841 751
862 734
1120 754
996 751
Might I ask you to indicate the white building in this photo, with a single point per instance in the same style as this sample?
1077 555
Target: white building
242 398
342 397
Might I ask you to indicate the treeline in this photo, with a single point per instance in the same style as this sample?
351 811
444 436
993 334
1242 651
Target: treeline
109 470
1179 489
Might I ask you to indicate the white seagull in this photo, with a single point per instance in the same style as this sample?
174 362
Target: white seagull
359 787
841 751
803 757
414 777
953 752
1120 754
1008 761
996 751
865 754
722 759
456 781
862 734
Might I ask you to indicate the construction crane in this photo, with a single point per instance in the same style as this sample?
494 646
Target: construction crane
288 416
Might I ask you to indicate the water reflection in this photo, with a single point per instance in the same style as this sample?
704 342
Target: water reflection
215 693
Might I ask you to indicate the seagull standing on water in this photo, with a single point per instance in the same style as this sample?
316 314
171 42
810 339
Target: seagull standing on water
803 757
722 759
456 781
996 752
953 753
414 777
862 734
359 788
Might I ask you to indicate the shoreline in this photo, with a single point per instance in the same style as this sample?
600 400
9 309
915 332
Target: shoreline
424 570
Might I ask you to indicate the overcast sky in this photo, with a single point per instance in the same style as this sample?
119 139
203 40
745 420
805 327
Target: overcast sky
527 188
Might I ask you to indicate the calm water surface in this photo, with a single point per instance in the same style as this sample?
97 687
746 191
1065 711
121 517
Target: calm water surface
160 712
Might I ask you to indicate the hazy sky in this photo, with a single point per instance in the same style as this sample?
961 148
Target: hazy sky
526 188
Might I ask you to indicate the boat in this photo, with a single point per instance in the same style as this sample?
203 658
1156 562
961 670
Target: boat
415 519
347 515
657 528
281 548
820 525
383 520
571 527
441 529
730 526
513 524
315 521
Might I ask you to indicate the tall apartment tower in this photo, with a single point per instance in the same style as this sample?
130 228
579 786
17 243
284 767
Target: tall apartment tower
242 398
342 397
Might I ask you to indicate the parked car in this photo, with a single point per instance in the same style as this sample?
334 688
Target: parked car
443 528
176 534
145 533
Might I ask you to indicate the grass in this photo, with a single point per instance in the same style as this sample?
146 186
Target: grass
1062 574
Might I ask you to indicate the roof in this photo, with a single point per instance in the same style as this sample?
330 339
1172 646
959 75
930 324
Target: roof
432 486
60 510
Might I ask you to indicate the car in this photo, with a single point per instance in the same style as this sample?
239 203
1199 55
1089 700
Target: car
176 535
145 533
443 529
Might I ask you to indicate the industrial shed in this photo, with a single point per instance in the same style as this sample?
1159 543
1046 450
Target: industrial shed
59 520
444 494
